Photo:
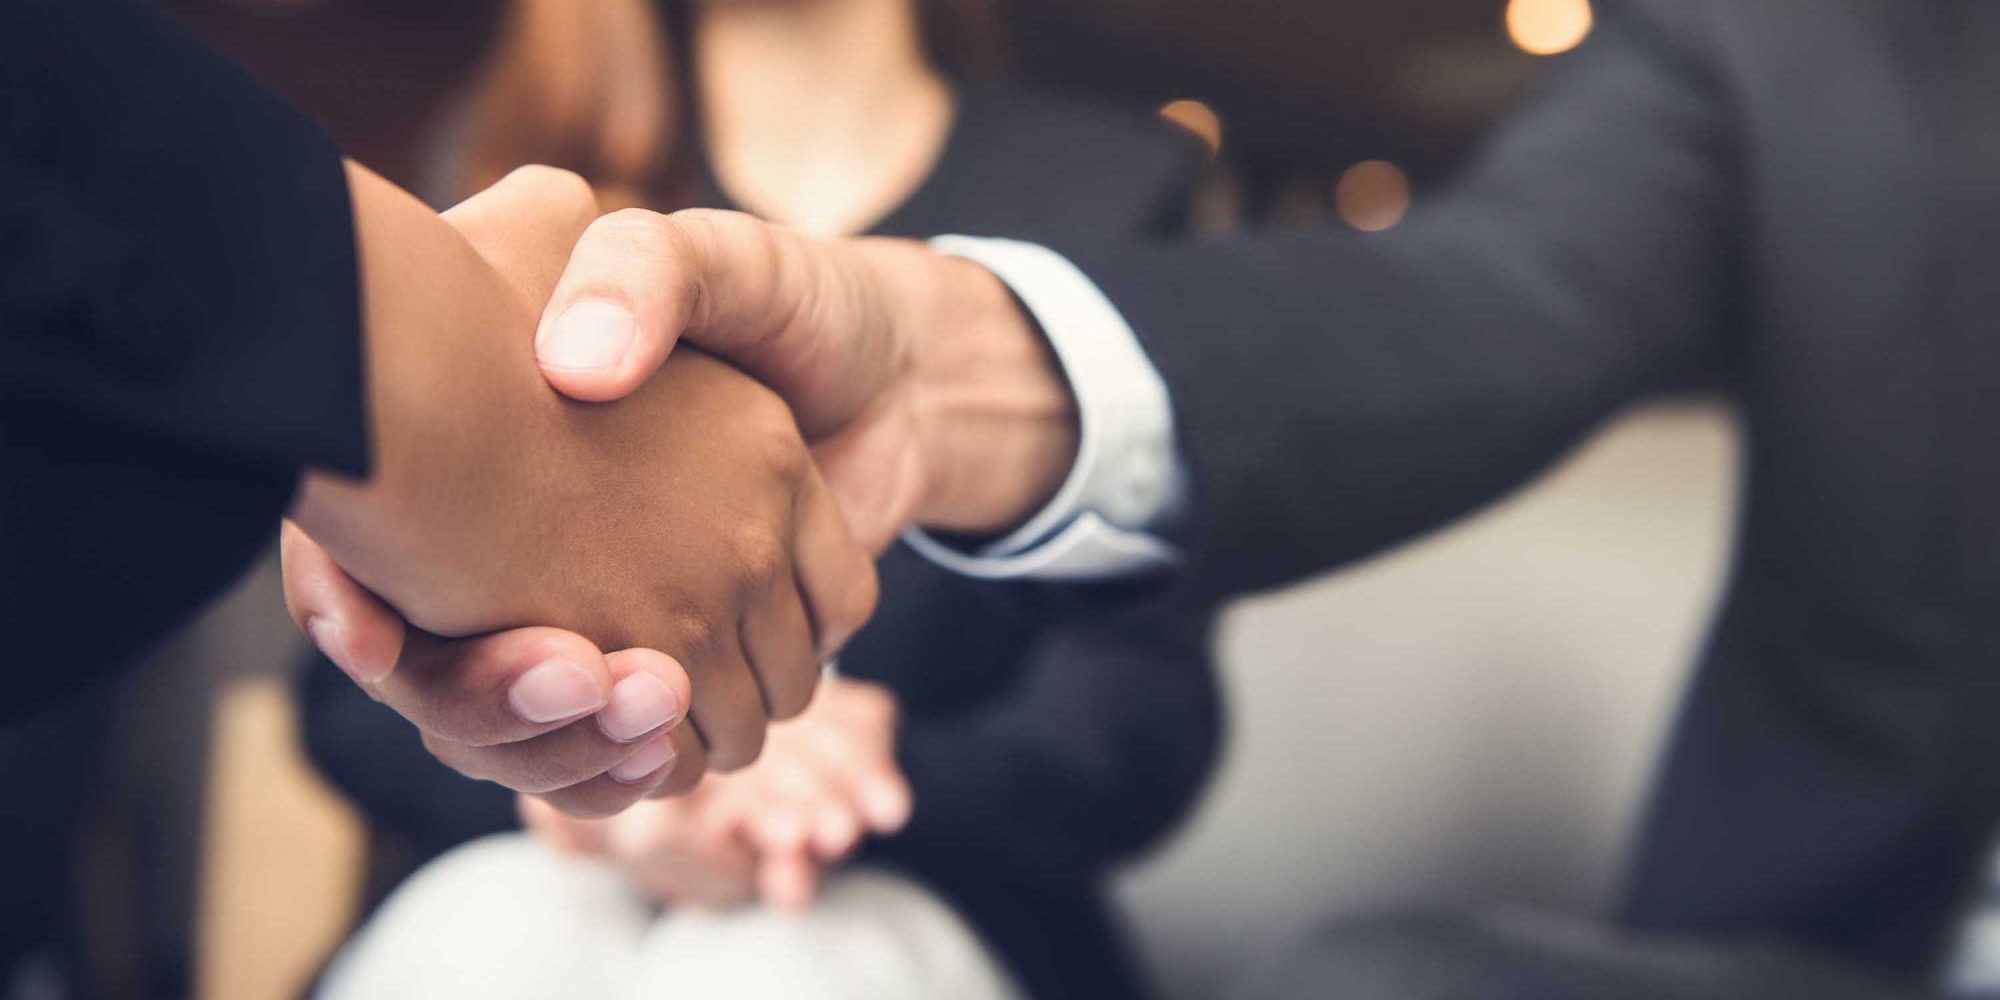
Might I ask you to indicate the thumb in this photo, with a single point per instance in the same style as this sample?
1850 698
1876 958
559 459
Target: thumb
798 315
625 297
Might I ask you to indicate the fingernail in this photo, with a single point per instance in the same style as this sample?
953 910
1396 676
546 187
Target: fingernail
332 642
639 704
645 761
591 335
552 691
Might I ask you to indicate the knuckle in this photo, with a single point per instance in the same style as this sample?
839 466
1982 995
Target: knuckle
705 226
700 637
713 234
694 232
596 800
794 691
641 230
767 411
565 189
454 724
737 753
770 433
569 756
532 776
543 772
761 553
454 756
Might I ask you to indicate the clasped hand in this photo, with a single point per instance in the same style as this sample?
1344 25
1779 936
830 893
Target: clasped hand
685 528
770 831
713 531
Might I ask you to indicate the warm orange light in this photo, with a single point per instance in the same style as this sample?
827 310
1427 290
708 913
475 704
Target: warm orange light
1546 27
1197 118
1372 195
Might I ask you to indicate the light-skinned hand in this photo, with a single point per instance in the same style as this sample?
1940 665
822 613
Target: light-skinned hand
826 780
928 395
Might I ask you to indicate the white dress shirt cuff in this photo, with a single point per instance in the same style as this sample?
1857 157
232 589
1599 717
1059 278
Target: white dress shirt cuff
1127 480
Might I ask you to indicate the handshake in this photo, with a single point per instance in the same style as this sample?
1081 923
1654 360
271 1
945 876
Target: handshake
577 535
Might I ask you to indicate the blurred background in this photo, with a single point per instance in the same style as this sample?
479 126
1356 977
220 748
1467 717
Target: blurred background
1473 717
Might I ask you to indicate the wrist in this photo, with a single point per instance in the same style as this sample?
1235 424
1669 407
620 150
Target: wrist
996 419
446 386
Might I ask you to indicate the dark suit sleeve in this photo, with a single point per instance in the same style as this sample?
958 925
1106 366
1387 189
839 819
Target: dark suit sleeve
178 310
1336 393
1101 741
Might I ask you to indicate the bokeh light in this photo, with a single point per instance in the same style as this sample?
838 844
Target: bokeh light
1199 119
1546 27
1372 195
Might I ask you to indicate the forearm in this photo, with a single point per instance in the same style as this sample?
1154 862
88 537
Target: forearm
1337 393
1333 394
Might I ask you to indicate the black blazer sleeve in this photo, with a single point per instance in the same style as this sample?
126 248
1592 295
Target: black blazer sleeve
1337 393
179 317
1101 741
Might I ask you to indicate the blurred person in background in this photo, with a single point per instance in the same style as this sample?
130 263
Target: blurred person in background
976 767
1794 199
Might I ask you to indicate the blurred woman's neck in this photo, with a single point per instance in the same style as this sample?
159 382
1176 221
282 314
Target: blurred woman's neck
822 114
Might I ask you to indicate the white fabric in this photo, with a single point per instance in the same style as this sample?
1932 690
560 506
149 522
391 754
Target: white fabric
506 918
1127 478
